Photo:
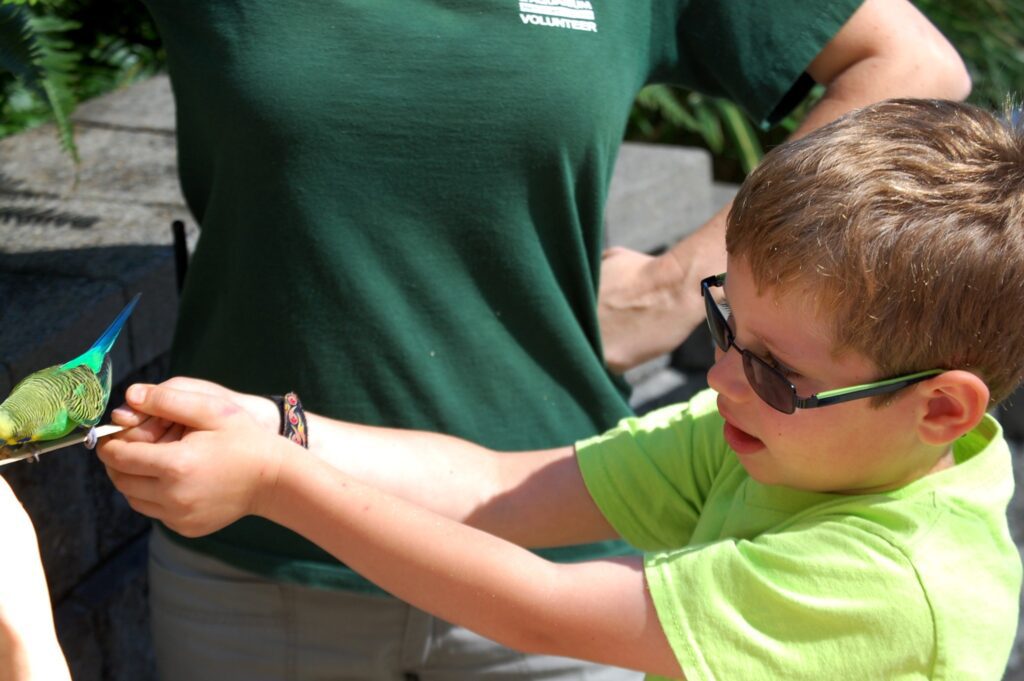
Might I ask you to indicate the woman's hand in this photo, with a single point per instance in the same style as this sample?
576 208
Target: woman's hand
645 308
196 460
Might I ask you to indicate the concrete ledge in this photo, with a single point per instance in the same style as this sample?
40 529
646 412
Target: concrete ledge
658 194
41 325
118 166
145 106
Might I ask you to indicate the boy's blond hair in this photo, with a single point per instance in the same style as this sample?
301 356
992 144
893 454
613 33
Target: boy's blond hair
905 222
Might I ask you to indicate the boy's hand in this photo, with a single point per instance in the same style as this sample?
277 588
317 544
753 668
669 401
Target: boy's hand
210 466
145 428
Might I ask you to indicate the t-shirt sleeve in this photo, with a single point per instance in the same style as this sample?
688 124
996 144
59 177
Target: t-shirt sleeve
815 602
650 475
754 52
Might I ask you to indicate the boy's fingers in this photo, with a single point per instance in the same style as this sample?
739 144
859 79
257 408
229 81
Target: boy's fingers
146 508
196 410
135 458
134 486
173 434
149 429
197 385
127 417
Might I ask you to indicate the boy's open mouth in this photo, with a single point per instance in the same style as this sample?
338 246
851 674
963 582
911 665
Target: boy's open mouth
741 441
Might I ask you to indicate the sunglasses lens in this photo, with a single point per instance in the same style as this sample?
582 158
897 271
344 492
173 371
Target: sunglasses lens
716 323
770 385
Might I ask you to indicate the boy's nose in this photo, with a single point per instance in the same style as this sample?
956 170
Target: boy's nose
726 376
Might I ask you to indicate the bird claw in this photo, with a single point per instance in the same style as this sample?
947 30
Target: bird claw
91 439
12 452
30 449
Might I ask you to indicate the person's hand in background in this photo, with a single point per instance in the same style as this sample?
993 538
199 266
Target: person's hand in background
28 641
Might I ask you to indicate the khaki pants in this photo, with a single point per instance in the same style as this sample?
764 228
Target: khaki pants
217 623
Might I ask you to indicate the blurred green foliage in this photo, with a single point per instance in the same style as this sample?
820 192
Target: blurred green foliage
54 53
990 37
42 66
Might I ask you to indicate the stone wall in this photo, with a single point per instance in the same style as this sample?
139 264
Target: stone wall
75 248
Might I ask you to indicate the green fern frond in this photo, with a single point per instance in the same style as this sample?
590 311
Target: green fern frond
17 45
59 62
34 50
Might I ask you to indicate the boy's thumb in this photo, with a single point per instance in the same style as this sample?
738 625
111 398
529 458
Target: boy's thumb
194 410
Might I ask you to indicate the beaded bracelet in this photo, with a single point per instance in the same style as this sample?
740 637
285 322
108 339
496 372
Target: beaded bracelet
293 418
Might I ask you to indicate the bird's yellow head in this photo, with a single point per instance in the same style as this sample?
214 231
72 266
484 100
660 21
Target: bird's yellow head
8 434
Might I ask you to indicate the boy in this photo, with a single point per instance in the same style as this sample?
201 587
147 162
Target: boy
834 509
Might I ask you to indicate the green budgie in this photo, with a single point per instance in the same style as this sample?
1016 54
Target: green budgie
50 403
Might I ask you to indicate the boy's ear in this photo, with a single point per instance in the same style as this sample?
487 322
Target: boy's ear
952 404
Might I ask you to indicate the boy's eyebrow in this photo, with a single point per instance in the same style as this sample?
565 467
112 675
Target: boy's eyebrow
781 355
795 361
791 360
776 352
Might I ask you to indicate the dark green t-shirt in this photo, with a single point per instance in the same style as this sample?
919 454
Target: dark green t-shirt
401 203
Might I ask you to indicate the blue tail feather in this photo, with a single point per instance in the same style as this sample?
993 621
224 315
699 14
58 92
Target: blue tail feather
106 340
102 346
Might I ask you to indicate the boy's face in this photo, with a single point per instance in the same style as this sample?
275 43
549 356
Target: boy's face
850 447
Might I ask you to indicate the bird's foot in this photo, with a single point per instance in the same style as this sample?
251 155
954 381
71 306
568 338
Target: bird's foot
90 439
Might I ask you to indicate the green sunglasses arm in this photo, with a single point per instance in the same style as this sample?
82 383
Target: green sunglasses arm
855 392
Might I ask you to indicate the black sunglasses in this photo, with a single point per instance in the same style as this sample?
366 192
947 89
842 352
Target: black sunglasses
771 385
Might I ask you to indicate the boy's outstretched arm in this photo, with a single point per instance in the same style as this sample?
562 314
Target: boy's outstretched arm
534 499
597 610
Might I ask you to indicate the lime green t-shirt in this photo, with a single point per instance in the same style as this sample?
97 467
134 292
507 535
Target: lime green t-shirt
401 203
760 582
